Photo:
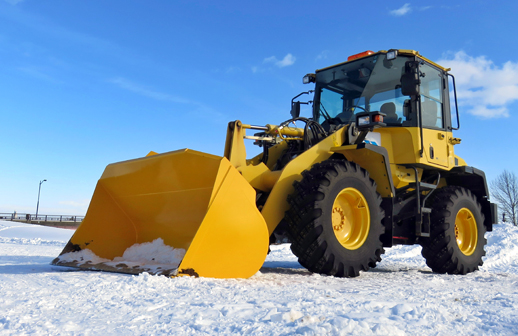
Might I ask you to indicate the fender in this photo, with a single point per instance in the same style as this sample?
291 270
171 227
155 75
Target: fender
475 180
375 160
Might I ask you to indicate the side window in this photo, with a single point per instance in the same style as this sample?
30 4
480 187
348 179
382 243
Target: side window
431 97
331 104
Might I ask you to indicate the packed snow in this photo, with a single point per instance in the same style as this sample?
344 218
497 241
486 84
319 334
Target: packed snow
401 296
155 252
154 257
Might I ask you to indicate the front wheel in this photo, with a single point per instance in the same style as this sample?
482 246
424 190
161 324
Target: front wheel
456 243
335 219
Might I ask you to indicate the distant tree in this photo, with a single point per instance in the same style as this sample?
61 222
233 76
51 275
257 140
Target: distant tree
504 189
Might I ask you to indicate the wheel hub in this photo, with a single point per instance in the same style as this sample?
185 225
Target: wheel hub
466 232
350 218
339 219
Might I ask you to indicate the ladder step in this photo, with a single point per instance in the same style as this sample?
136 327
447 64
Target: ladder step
422 186
427 185
423 227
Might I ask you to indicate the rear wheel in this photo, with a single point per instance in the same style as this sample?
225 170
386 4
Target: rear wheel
456 243
335 219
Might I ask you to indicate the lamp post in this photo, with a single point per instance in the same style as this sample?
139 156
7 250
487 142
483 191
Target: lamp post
38 204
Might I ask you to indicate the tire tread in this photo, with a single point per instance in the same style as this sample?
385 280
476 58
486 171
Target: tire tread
305 222
440 250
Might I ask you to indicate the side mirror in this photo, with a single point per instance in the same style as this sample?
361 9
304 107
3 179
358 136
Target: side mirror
410 79
295 109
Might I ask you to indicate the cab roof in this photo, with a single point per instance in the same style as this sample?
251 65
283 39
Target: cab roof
404 52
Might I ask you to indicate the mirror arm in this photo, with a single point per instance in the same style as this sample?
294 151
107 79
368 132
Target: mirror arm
295 105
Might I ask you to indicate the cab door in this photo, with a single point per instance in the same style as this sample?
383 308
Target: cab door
431 99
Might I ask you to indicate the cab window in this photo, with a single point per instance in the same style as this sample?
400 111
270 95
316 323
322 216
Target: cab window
391 103
431 97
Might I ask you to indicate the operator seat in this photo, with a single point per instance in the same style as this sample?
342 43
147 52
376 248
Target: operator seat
429 112
390 110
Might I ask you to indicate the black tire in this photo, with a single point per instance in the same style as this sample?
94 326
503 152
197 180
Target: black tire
444 253
310 220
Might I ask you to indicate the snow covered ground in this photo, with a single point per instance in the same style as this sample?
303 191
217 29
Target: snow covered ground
400 297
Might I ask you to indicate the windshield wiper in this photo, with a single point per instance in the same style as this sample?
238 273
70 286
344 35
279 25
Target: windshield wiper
324 112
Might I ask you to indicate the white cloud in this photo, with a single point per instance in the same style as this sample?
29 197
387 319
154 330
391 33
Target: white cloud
39 73
483 88
270 59
144 91
405 9
288 60
196 108
489 112
231 69
322 55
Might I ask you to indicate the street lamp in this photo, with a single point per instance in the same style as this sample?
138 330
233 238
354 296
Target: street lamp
38 204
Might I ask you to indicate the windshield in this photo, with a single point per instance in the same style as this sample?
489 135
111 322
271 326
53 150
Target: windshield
368 84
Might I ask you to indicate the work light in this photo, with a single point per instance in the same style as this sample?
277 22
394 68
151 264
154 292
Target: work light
309 78
391 54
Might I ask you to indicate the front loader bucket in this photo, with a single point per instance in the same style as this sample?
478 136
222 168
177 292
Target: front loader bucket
191 200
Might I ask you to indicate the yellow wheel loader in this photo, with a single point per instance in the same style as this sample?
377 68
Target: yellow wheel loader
373 167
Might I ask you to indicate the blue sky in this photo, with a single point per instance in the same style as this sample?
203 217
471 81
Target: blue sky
87 83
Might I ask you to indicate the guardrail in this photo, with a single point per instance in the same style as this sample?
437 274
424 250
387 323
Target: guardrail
41 218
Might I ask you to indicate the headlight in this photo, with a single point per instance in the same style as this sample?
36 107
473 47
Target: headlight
391 54
309 78
364 120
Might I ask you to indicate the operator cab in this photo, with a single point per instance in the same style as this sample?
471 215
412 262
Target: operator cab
370 82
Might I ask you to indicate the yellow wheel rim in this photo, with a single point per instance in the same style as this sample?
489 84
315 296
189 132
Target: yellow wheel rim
351 218
466 231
